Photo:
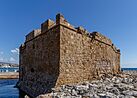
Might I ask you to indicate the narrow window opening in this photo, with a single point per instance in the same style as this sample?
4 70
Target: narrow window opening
33 46
32 70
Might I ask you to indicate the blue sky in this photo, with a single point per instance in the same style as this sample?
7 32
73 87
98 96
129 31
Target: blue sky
117 19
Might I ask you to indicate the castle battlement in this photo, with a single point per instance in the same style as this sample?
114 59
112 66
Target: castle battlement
60 20
47 25
33 34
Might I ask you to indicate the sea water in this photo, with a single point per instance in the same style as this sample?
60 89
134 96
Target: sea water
129 69
7 88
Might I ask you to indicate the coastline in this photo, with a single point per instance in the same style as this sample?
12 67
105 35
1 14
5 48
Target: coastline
9 75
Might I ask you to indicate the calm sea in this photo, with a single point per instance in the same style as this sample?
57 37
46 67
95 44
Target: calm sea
129 69
7 89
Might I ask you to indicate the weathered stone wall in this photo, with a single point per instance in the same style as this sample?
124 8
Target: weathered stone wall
85 57
61 54
39 62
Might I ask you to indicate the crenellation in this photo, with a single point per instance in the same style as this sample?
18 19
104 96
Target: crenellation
37 32
61 20
83 31
33 34
30 36
59 54
118 50
114 47
47 25
22 47
102 38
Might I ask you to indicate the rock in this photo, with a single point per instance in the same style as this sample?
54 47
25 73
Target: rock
123 87
116 80
130 93
127 80
101 95
120 96
109 87
93 86
115 91
120 86
128 97
135 85
45 96
110 95
95 96
74 92
26 96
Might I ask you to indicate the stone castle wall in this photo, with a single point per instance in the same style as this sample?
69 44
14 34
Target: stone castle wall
39 62
59 54
84 58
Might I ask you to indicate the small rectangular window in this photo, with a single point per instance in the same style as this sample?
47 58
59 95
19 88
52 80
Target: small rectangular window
33 46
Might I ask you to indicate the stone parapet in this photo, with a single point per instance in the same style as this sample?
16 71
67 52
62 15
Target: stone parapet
61 20
47 25
33 34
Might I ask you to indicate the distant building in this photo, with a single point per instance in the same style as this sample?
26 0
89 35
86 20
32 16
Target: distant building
9 69
3 64
59 54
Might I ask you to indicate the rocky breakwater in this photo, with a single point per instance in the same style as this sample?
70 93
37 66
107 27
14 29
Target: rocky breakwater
119 86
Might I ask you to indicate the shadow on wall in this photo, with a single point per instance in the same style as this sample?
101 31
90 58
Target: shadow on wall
40 63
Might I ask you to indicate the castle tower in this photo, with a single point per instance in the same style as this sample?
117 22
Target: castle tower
59 54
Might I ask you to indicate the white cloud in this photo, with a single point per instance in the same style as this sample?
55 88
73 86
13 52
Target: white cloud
16 50
12 59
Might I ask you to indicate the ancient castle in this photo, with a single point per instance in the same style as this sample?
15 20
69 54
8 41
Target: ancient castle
60 54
